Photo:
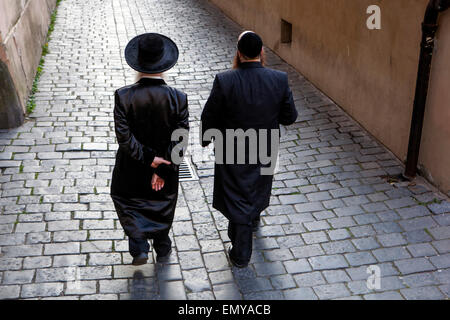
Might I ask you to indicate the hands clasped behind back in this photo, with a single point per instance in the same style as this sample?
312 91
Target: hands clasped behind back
157 181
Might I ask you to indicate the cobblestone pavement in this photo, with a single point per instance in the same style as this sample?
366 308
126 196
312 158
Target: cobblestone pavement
332 213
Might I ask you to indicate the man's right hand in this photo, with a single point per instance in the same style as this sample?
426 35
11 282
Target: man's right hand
157 183
159 161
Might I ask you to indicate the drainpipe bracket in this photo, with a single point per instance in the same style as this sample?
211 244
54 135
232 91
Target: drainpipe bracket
429 29
443 5
440 5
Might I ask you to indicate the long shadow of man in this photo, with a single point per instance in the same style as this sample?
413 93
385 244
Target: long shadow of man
142 288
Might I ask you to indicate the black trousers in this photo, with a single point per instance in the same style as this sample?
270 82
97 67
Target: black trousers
161 243
241 237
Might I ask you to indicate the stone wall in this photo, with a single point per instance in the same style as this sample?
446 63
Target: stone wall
370 73
23 30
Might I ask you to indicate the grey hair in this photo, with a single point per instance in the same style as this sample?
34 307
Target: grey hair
140 75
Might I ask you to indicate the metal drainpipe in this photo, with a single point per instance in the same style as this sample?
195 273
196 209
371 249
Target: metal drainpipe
429 28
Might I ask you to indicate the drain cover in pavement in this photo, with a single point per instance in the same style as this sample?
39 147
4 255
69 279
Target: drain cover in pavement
187 172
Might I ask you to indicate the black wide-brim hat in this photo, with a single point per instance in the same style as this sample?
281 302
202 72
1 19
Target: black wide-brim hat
151 53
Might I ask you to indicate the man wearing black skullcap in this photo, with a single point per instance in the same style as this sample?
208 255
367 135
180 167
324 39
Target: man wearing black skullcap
250 97
250 47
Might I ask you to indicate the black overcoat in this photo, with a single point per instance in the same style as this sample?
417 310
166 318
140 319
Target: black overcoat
145 115
251 97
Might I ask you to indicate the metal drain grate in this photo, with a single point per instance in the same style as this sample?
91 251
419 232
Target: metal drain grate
187 172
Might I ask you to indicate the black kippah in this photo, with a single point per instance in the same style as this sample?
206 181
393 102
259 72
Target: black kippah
250 45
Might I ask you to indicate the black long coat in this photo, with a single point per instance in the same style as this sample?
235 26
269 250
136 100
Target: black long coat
145 115
251 97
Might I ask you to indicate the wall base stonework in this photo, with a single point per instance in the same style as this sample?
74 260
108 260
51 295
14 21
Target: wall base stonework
11 114
23 31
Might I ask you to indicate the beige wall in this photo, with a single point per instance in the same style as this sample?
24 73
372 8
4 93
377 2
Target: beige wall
23 29
435 151
370 73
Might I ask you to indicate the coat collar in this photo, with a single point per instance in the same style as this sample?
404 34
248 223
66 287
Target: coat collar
152 81
248 65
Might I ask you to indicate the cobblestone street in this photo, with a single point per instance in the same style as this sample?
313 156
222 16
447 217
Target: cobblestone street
332 213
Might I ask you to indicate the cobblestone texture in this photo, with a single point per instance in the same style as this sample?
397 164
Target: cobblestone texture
331 216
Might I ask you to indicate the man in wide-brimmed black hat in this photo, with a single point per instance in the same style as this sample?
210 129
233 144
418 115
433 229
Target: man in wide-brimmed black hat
249 98
144 185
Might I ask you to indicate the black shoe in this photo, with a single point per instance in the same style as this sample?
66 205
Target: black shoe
140 259
164 258
237 265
